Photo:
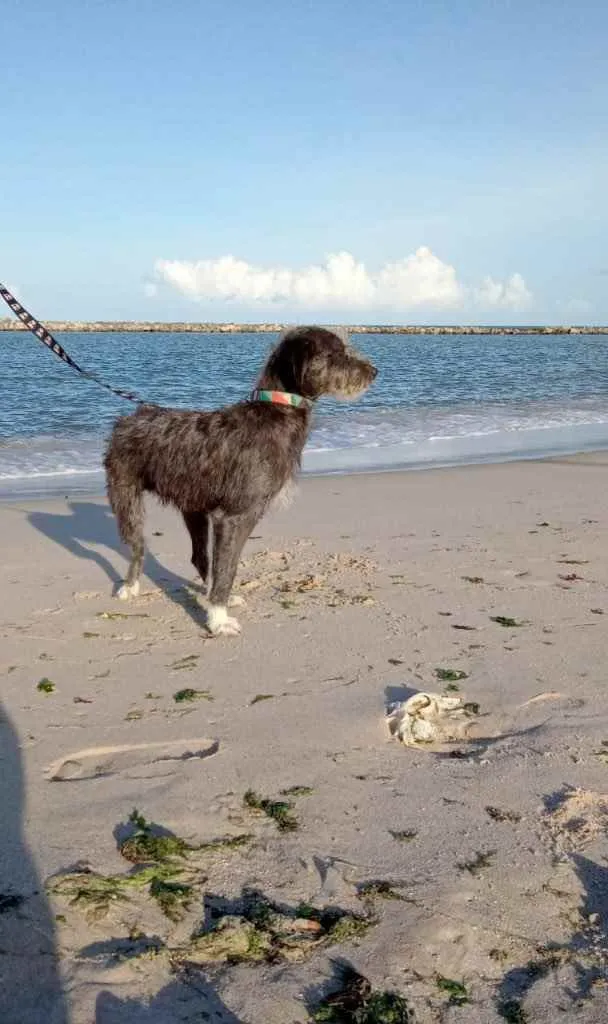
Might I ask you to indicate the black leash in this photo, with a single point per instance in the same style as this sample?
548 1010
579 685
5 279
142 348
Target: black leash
45 336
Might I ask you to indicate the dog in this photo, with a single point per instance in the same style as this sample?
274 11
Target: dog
222 469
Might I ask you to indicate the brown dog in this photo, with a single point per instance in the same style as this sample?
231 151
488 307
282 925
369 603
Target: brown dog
222 469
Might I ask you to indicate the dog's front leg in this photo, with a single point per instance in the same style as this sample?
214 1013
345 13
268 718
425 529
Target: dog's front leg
229 536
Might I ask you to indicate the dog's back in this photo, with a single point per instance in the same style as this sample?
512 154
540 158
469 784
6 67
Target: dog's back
229 460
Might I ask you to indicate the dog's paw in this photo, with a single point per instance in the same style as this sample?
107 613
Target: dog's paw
219 623
230 627
127 591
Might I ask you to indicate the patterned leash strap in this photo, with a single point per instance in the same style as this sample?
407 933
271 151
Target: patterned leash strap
45 336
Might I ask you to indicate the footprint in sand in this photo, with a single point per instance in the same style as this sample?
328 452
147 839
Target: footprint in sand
575 817
129 759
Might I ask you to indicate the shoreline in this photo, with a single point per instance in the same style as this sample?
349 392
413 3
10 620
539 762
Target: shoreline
151 327
93 486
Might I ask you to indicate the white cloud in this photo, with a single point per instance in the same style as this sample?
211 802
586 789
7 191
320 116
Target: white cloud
419 280
510 294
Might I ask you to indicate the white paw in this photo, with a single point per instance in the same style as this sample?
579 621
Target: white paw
127 590
230 627
219 623
236 601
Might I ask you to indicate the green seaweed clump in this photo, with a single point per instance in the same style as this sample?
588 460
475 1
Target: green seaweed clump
506 621
188 694
450 675
91 892
455 990
144 845
232 941
278 810
227 842
297 791
172 897
259 930
378 889
356 1003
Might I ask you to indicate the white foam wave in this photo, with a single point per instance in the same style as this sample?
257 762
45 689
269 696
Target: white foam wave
43 473
350 440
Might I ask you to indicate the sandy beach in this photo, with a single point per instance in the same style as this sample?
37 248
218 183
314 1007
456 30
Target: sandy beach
470 879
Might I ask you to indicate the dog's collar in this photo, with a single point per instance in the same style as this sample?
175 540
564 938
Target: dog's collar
281 398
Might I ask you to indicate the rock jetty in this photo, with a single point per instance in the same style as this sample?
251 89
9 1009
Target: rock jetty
147 326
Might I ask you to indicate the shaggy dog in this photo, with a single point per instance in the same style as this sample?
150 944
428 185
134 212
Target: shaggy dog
222 469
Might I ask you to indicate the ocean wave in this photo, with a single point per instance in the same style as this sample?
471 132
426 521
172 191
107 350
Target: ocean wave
43 473
358 440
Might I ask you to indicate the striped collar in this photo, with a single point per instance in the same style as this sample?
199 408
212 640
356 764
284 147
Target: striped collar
281 398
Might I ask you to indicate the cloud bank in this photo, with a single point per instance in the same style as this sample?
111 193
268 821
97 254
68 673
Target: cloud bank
416 281
510 294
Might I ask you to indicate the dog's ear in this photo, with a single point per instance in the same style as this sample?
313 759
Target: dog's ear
313 372
282 368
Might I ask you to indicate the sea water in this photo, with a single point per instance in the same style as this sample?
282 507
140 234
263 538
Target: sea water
438 400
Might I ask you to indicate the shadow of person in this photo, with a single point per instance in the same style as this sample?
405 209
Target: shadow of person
583 954
188 1000
89 525
30 985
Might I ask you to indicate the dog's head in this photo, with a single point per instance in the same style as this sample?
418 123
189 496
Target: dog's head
314 361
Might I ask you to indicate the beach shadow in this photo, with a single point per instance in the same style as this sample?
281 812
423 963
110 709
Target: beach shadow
30 984
398 693
88 525
594 879
476 748
189 999
585 953
257 908
348 996
345 988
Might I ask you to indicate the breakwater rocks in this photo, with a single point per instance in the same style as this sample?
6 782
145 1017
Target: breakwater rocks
149 327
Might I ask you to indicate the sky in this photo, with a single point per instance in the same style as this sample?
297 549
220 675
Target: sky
319 161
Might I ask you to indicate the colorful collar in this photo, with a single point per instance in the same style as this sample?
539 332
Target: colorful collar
281 398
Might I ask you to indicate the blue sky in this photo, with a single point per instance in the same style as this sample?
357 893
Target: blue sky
333 161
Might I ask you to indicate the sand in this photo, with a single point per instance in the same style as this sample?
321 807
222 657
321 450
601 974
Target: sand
483 863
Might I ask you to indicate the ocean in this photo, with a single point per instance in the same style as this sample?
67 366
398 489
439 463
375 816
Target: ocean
438 400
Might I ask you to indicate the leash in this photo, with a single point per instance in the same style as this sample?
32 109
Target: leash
45 336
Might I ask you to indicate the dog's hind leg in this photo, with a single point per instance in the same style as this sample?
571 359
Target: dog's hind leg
199 528
127 502
229 536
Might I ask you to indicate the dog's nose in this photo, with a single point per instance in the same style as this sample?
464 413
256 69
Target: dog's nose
374 372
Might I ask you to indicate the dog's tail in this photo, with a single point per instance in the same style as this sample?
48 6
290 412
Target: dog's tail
126 497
